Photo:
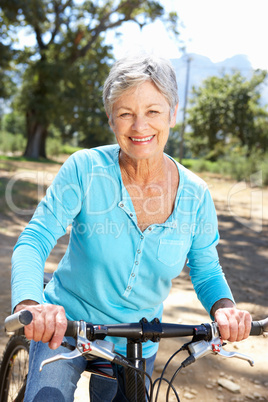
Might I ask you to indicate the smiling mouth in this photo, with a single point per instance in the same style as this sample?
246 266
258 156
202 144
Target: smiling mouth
142 139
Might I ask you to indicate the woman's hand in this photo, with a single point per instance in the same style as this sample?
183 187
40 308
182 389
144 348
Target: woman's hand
234 324
49 322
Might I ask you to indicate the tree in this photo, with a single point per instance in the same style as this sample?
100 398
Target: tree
174 139
6 83
69 98
64 71
226 110
6 70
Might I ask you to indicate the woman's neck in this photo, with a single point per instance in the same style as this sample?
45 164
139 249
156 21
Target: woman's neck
143 171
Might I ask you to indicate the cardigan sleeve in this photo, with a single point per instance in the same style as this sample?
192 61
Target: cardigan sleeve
54 213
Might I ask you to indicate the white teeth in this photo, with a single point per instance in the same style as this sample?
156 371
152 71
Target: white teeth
142 139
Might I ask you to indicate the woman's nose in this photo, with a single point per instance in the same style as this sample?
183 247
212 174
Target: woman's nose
140 123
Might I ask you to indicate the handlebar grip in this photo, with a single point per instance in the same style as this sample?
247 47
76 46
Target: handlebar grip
259 327
24 317
18 320
72 328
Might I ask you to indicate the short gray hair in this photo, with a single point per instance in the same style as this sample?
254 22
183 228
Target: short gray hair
129 72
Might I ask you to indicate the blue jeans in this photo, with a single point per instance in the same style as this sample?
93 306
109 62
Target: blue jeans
58 380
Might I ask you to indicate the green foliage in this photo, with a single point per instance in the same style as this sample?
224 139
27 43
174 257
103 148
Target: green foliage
14 123
14 144
6 54
173 144
225 112
69 150
11 143
53 144
203 165
12 133
263 168
236 165
241 165
7 86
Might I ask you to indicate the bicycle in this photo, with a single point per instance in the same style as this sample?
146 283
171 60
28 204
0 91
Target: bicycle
91 343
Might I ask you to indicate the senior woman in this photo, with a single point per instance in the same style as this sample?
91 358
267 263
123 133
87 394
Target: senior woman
136 216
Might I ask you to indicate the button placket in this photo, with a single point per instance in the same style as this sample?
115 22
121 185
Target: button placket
135 268
123 205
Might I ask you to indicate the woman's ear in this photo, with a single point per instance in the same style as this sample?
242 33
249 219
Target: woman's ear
174 116
110 122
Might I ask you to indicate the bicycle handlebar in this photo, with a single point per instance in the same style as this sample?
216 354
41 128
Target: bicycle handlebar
18 320
259 327
142 331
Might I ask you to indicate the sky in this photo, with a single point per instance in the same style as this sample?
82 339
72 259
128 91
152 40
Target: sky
218 29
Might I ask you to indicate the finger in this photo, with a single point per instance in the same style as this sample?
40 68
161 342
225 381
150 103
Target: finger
29 329
50 323
223 324
38 325
60 328
241 331
243 325
247 324
233 328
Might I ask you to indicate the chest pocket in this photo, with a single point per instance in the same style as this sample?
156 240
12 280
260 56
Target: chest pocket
170 252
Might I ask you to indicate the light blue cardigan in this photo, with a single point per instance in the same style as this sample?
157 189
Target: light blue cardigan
112 272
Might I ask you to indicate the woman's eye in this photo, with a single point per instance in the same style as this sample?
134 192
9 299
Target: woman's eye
125 115
153 112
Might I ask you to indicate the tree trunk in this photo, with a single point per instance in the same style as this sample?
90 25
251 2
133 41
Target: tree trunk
37 134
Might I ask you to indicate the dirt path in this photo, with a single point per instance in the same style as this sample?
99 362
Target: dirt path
243 221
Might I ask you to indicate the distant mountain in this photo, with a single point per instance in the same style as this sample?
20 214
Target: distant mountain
201 67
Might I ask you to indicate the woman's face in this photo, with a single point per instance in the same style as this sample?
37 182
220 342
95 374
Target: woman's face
141 121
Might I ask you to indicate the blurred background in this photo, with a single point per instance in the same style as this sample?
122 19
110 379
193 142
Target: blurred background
55 56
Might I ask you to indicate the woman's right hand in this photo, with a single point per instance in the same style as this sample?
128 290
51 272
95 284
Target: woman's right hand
48 325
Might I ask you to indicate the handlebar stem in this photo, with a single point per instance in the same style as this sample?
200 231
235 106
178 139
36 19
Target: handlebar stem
151 330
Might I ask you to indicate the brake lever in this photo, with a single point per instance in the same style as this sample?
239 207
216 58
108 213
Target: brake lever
84 347
214 346
89 349
61 356
224 353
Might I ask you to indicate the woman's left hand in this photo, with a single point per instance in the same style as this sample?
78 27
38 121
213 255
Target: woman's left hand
234 324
